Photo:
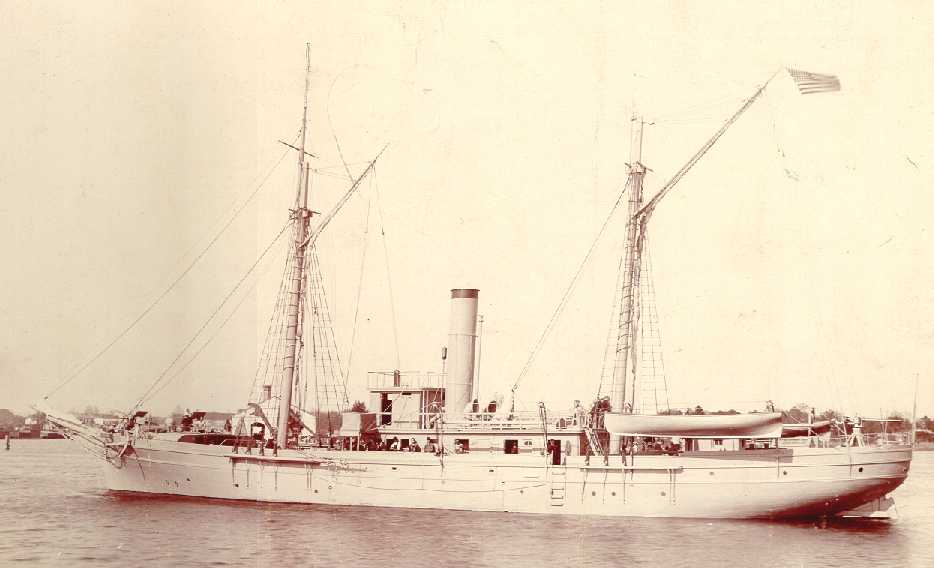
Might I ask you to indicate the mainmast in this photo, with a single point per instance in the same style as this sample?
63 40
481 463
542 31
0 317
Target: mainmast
300 215
639 214
632 262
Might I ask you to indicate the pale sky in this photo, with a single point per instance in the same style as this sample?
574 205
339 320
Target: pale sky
794 263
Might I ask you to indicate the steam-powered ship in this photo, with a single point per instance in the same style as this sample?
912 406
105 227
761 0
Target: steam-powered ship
428 442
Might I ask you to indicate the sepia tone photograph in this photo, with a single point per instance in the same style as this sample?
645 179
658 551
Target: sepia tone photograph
452 283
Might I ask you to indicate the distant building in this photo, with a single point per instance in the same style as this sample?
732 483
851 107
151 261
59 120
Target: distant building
206 421
104 420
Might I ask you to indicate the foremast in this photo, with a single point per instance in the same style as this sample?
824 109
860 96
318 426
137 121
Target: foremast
300 216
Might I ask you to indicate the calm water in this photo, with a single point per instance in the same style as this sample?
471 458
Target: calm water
54 512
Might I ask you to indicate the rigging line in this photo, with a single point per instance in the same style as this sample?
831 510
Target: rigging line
392 300
326 329
327 110
210 339
171 286
356 314
214 313
311 271
707 105
635 322
234 205
303 403
323 169
275 323
617 293
652 326
661 353
314 375
567 292
331 175
340 153
271 356
313 235
649 207
272 337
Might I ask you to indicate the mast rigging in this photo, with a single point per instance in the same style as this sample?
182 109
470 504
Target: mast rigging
304 238
301 216
639 215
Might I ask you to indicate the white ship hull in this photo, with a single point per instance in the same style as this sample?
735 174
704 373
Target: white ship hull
792 482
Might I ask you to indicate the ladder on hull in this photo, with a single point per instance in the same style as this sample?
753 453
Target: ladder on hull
559 485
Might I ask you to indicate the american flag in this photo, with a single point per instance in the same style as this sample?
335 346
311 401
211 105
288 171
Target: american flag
809 83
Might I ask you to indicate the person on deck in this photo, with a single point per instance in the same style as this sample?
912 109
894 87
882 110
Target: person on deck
413 446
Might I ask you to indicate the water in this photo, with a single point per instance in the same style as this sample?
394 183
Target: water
54 512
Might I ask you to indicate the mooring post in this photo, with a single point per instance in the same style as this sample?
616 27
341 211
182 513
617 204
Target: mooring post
8 441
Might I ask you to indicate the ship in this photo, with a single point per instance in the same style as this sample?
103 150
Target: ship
427 442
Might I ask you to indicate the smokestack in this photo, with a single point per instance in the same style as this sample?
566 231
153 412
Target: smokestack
462 342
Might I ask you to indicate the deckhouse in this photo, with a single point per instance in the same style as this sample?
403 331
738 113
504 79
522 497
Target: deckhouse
416 410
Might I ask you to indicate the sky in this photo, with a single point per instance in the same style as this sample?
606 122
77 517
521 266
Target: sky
794 263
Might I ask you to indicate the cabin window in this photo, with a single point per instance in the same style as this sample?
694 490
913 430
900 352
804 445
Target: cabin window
258 430
511 447
385 418
461 445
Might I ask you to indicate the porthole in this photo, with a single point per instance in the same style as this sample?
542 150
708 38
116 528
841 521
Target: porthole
784 472
593 493
711 473
663 493
861 470
613 494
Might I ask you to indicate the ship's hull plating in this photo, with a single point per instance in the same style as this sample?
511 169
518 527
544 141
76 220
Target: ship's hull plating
750 484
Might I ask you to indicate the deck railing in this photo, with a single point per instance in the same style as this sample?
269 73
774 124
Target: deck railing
409 380
523 420
852 440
